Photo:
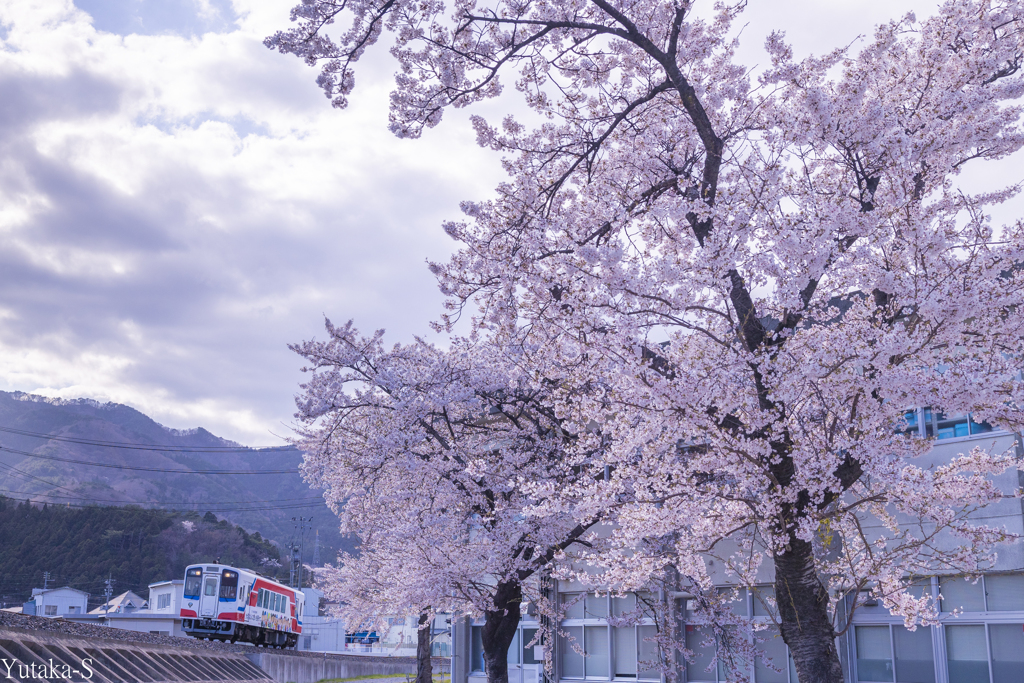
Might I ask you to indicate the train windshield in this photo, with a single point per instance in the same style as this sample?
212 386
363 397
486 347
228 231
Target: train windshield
228 584
193 582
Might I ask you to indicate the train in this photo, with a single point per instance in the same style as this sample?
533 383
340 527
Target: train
232 604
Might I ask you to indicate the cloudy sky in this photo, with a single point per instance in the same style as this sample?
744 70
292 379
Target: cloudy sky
177 202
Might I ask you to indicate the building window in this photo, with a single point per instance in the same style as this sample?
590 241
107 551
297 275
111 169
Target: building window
701 640
931 423
477 651
163 601
588 647
885 651
972 651
74 609
992 593
51 610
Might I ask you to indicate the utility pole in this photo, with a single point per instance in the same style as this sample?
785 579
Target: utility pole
108 592
295 574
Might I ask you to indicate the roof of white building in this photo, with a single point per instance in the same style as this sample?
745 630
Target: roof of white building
119 603
41 591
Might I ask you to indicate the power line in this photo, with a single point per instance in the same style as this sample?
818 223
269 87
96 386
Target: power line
165 470
148 447
169 503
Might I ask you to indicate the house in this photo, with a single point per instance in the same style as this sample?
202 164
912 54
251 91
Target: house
159 615
980 638
125 603
56 602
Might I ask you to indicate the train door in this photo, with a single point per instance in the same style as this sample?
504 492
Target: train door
208 601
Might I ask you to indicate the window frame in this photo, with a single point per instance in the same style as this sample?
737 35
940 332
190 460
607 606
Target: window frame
597 622
940 651
749 596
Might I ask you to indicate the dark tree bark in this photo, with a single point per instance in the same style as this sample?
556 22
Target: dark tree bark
803 612
499 630
424 668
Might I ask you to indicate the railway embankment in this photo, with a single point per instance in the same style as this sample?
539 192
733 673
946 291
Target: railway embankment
34 649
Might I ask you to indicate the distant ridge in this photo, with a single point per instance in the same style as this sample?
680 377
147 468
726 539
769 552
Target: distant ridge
258 502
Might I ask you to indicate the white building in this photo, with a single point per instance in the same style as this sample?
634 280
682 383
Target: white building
57 602
160 615
983 643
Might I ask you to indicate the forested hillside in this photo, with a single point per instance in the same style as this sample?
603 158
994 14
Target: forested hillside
80 547
84 452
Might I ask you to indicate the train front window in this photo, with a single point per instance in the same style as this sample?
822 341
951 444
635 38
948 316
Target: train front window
228 584
193 582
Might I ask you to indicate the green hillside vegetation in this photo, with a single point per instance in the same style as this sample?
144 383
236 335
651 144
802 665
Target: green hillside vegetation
80 547
78 465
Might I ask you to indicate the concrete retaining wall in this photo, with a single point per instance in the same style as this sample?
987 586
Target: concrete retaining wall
285 668
31 656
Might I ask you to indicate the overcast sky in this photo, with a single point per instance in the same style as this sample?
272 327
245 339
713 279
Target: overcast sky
178 203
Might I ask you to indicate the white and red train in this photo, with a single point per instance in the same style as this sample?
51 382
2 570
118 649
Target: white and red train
227 603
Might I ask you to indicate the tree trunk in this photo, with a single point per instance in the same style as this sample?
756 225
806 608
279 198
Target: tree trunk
424 669
803 613
499 630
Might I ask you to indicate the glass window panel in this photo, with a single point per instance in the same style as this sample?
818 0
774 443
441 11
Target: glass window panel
874 654
966 654
920 588
572 605
624 643
776 651
530 652
477 654
596 644
727 655
648 654
624 604
959 592
645 601
1007 652
929 422
736 599
915 662
980 427
210 588
951 427
697 670
595 607
912 425
1005 592
764 601
513 650
572 661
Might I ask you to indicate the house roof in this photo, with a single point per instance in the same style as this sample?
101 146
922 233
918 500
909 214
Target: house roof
120 602
41 591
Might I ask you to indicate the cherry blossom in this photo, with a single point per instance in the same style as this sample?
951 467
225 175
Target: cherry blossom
730 288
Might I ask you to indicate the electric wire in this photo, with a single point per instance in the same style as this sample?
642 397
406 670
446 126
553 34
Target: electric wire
148 447
136 468
164 504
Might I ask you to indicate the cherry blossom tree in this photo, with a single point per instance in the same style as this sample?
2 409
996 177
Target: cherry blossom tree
735 287
429 456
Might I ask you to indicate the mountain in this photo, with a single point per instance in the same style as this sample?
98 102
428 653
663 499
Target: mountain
82 452
82 547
